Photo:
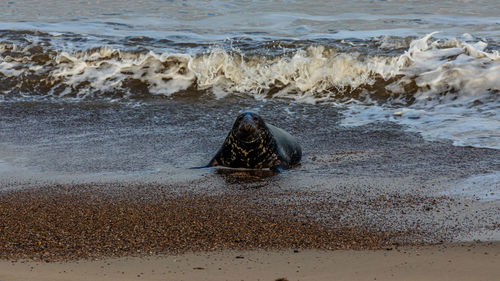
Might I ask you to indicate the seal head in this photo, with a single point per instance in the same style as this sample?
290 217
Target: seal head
248 128
252 143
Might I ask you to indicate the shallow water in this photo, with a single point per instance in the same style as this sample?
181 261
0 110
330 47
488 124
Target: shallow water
90 90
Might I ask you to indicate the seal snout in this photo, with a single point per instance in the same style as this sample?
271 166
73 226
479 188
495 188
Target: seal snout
247 123
247 129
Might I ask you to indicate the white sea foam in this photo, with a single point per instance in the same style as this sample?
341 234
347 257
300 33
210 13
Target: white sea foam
457 98
480 187
312 74
442 70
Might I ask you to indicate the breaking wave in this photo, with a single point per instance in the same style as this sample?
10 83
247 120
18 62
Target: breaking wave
428 70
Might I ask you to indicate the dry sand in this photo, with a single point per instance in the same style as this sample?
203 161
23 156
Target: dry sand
480 261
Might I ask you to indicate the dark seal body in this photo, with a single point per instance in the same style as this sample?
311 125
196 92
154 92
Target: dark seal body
253 144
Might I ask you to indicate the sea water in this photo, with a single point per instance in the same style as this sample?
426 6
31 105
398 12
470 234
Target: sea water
73 73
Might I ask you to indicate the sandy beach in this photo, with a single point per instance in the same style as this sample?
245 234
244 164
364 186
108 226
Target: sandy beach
59 223
148 232
105 110
367 189
469 261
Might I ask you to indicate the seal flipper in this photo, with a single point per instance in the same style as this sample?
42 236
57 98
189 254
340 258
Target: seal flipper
199 167
277 168
213 163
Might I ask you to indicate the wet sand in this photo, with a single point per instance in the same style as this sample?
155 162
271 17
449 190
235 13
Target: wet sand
81 183
89 221
476 261
58 223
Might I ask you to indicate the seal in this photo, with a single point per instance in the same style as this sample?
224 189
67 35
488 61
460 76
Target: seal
253 144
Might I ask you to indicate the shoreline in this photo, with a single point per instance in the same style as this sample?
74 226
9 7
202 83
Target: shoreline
61 223
67 196
458 261
95 221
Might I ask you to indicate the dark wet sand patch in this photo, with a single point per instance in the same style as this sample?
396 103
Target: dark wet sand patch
68 222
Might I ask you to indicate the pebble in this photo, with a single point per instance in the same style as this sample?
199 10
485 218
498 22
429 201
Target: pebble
74 222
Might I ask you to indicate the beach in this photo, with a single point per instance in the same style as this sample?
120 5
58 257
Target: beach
148 232
451 262
93 229
376 181
105 110
364 188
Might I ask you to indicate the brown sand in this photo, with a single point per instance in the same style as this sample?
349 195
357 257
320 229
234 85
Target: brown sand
78 222
451 262
157 232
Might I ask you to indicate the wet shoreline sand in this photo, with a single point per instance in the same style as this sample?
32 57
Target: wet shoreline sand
94 221
157 232
460 261
114 182
58 223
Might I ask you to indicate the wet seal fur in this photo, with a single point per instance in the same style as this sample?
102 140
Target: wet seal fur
253 144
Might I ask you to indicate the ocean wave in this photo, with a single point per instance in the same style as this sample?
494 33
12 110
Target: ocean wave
427 71
440 88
